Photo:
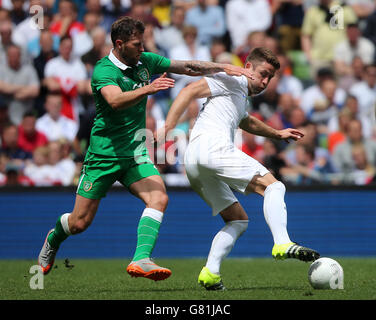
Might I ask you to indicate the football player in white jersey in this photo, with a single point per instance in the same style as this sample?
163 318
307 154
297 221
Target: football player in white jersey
214 165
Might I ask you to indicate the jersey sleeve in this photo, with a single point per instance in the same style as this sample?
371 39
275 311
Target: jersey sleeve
156 63
222 84
103 76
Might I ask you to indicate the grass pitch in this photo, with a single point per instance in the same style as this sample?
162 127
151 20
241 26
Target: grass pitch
245 279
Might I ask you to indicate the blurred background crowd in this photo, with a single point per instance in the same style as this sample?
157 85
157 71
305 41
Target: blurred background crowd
326 86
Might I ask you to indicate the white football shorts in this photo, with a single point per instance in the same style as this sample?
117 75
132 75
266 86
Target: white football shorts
214 166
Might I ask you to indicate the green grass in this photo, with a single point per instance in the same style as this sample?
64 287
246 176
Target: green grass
245 279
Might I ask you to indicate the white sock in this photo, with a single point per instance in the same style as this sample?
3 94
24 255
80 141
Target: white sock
223 243
153 213
275 212
64 223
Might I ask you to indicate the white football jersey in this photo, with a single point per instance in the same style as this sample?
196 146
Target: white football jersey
225 108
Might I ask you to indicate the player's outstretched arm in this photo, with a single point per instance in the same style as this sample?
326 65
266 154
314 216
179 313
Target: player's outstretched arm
195 90
257 127
118 99
201 68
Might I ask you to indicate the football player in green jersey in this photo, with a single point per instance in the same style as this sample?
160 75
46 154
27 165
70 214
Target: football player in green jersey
121 83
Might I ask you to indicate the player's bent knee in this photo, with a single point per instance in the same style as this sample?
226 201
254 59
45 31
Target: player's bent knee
159 203
240 225
79 226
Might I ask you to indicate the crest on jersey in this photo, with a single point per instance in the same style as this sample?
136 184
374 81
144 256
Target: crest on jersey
88 185
143 74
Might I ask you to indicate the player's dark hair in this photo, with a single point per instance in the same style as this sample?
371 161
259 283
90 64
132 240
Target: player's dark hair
259 55
124 28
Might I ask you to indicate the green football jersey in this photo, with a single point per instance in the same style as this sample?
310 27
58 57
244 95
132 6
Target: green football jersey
117 133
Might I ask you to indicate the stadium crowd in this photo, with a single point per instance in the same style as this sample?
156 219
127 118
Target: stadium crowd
326 86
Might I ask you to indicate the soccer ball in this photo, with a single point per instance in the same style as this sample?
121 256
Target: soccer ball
325 273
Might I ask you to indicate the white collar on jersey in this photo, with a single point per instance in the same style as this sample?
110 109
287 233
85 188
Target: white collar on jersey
118 63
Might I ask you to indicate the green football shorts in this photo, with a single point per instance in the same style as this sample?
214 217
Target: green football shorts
99 173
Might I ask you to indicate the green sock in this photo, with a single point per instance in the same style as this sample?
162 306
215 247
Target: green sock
147 233
57 236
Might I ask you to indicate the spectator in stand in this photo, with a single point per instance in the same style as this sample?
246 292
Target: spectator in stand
297 117
342 156
321 32
171 35
46 54
17 12
94 8
106 49
365 92
91 58
53 124
62 164
112 10
3 164
218 48
15 176
208 19
351 109
364 173
39 171
10 147
251 146
26 34
370 29
272 44
326 107
185 4
347 81
67 75
155 111
4 13
272 159
307 170
353 46
150 44
4 117
287 82
53 5
243 17
82 139
162 11
7 40
312 139
362 8
19 84
253 40
281 118
337 128
29 138
82 41
190 50
141 10
289 16
65 22
314 92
